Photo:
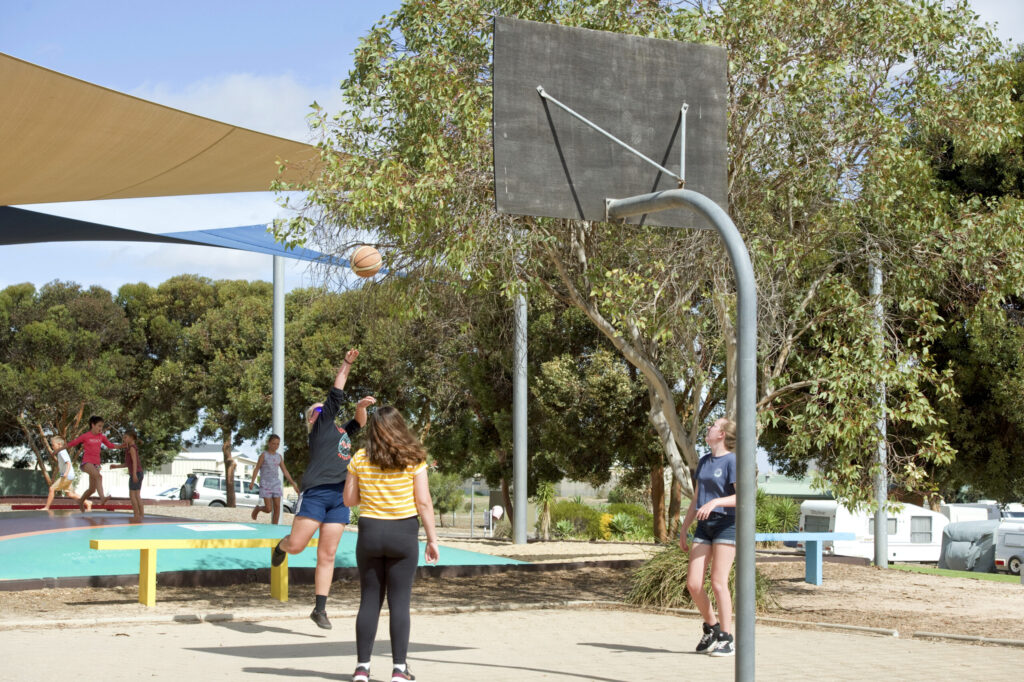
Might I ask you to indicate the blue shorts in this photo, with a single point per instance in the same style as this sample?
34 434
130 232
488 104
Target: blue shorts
717 529
323 503
135 482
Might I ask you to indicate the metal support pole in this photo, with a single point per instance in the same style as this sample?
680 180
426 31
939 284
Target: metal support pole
519 424
746 396
277 402
881 477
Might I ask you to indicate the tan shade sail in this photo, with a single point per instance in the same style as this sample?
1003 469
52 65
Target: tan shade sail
62 139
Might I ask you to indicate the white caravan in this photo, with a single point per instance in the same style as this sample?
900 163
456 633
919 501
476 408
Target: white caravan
915 533
1010 546
966 512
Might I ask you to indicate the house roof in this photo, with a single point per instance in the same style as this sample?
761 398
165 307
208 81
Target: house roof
786 486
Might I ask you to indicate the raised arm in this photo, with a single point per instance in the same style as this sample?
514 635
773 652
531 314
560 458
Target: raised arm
111 446
346 367
361 409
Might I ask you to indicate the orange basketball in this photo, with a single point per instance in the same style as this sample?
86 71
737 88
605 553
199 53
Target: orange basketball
366 261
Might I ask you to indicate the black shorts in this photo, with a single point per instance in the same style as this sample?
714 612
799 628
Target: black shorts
135 482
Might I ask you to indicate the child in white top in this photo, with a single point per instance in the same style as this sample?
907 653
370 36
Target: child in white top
66 481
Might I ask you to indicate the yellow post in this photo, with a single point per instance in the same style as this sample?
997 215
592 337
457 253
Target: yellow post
147 577
279 581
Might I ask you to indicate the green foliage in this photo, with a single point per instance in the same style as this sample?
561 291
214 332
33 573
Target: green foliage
776 514
661 582
630 522
585 520
445 491
564 529
544 498
622 494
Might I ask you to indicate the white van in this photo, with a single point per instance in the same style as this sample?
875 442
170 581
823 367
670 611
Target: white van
1010 546
915 533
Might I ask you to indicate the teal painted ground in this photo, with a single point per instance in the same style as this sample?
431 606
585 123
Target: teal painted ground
67 554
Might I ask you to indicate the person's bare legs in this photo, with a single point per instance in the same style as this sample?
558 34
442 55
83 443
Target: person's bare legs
135 497
49 497
276 515
265 508
721 564
699 555
302 530
90 470
330 536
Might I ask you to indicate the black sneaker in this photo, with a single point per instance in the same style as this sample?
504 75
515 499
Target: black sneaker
725 646
402 675
320 618
277 555
361 674
709 641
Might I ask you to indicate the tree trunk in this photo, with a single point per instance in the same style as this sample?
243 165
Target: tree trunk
35 450
674 507
656 416
229 469
658 500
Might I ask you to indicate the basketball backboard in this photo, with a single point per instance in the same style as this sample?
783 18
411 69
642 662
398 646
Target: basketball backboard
547 163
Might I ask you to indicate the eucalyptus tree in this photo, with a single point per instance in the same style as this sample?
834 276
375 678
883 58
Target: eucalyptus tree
824 97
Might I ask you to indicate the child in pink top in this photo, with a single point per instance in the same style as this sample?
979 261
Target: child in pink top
91 441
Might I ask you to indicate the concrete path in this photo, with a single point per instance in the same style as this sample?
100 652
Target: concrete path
558 644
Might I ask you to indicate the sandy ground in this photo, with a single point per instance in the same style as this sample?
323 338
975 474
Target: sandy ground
854 595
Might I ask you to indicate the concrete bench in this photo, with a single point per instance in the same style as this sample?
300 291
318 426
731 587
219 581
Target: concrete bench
813 545
147 559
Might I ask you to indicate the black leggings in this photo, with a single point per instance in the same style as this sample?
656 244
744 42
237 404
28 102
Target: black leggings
387 554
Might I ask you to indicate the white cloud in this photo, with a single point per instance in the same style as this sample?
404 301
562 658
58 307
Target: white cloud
268 104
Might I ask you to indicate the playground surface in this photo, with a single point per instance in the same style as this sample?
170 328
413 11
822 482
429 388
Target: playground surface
551 644
507 625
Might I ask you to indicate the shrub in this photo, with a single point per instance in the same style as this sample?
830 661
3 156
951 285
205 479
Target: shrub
643 521
621 494
503 529
622 525
661 582
586 520
776 514
564 529
606 532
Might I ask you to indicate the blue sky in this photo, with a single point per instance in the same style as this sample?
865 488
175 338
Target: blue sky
257 63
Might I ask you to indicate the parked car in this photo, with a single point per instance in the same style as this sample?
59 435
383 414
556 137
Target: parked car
211 489
169 494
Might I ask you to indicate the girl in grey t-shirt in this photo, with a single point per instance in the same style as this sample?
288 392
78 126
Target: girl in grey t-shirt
714 508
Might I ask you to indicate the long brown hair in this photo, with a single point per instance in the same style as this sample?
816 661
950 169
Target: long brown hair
390 444
729 429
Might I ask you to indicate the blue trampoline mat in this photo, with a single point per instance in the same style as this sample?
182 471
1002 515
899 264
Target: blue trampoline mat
67 553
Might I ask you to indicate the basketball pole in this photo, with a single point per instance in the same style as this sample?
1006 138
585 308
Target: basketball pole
519 390
746 395
277 401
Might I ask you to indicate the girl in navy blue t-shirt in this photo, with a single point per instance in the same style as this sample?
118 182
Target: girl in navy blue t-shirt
714 507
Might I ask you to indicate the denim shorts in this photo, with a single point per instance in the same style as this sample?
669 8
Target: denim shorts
135 482
717 529
323 503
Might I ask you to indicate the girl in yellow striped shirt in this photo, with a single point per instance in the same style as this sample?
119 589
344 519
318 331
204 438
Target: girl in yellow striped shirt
388 480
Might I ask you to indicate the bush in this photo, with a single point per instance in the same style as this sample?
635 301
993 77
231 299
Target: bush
661 582
776 514
503 529
564 529
641 527
621 494
622 524
586 520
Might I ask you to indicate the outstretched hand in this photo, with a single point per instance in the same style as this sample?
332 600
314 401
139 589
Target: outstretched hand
350 357
366 402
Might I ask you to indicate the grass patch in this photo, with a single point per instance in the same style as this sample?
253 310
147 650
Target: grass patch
946 573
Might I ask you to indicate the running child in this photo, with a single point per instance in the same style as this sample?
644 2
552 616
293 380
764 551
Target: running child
135 473
66 481
91 441
268 470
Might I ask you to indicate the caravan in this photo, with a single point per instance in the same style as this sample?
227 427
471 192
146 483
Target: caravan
1010 546
915 533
